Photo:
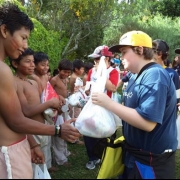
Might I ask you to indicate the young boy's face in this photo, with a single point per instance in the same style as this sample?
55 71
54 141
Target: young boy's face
130 59
42 67
16 43
63 74
80 71
26 65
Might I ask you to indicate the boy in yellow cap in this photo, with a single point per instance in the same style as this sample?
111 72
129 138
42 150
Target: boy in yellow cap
148 114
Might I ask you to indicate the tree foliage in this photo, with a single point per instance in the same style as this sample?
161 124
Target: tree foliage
73 28
138 15
170 8
77 21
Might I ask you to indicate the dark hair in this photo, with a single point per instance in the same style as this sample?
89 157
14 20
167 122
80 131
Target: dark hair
147 52
116 54
157 50
49 70
27 52
88 66
176 63
65 64
39 57
55 72
77 64
14 18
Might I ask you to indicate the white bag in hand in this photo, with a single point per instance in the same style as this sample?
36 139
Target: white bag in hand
78 99
40 171
96 121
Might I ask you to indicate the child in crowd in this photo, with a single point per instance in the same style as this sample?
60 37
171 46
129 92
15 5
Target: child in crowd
87 67
78 70
60 84
117 62
40 75
29 96
55 72
161 55
49 74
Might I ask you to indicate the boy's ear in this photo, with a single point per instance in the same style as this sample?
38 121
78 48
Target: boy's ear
3 30
140 48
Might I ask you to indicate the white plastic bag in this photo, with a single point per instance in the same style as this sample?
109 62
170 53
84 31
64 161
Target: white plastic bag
96 121
78 82
40 171
178 130
78 99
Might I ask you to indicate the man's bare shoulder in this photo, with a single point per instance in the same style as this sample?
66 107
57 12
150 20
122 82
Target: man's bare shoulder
54 79
28 89
73 76
19 83
4 68
5 74
33 82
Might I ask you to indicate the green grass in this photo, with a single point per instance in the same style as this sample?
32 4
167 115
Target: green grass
77 170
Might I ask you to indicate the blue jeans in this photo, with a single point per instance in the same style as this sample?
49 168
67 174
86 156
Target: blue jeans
89 144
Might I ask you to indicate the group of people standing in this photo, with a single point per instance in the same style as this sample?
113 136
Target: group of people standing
148 113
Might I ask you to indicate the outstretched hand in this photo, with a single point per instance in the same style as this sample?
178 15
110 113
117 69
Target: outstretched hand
69 132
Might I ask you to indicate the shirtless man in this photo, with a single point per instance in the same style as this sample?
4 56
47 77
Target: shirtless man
15 28
28 94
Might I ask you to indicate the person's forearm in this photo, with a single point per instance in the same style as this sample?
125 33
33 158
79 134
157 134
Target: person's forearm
28 126
31 140
32 110
110 87
130 116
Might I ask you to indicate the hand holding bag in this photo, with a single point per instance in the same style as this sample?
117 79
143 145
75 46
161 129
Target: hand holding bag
96 121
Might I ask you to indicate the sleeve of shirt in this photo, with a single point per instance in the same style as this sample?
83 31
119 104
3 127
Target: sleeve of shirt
89 75
114 77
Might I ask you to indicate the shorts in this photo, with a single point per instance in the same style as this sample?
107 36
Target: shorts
15 161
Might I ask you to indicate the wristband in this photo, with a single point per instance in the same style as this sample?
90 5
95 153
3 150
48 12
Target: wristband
32 147
58 130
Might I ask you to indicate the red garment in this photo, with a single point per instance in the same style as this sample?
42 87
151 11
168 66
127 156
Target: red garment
112 74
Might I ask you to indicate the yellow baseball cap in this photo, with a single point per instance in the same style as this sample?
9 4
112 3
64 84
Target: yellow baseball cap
133 38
